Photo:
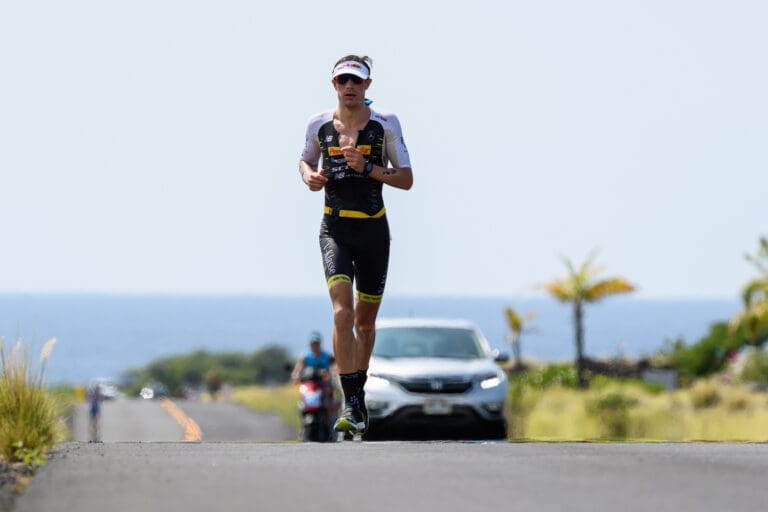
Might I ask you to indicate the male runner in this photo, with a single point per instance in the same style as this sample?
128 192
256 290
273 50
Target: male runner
357 146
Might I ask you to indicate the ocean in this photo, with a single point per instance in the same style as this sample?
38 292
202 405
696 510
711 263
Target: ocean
104 335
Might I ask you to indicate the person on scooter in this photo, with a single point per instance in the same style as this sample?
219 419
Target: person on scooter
313 372
315 357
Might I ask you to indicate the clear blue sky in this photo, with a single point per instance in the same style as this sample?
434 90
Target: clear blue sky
152 146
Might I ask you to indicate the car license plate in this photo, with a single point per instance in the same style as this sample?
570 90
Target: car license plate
437 407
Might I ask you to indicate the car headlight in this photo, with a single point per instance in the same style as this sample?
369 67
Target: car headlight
377 382
490 380
490 383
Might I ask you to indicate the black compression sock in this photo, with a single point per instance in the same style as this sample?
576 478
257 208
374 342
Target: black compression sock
363 377
350 384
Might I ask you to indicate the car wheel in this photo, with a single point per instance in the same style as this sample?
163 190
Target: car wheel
494 431
377 434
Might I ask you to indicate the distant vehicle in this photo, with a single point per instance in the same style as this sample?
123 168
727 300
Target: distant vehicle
435 379
107 388
153 390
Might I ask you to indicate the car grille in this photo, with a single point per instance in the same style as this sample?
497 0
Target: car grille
461 415
442 385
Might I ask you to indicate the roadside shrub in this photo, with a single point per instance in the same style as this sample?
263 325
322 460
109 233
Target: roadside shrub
551 375
704 393
602 382
525 390
265 366
65 398
521 400
756 368
709 355
611 410
28 415
737 400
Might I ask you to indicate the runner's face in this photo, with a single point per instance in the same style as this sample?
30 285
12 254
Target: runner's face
351 94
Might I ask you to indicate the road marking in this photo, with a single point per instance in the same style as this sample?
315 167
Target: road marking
192 432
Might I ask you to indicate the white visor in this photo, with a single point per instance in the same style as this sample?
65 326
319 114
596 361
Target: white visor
351 67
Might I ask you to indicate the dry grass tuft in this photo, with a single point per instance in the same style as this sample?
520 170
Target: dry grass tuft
28 416
705 393
731 413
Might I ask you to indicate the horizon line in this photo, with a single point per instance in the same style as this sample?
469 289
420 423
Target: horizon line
278 295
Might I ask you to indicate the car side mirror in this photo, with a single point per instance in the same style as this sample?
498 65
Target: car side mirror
499 356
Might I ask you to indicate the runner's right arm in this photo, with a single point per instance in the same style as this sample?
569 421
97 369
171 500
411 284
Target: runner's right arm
313 178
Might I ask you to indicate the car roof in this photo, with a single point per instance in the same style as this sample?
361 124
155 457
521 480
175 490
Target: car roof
456 323
102 380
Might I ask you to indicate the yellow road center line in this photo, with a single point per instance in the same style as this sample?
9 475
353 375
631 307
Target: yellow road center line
192 431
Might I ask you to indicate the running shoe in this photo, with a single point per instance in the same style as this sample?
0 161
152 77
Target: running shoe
363 409
351 420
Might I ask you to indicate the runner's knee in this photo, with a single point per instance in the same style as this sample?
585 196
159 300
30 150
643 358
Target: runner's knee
343 317
365 327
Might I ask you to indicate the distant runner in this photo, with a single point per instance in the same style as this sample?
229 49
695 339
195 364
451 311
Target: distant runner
95 398
357 145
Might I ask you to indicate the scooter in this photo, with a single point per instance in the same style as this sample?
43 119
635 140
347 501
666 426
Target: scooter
316 405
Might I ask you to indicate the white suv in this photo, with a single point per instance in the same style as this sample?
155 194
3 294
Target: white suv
434 379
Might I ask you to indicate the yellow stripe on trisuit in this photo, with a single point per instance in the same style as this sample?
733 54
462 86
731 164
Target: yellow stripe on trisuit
366 297
354 214
338 278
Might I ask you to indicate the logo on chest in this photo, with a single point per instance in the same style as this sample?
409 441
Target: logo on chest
364 149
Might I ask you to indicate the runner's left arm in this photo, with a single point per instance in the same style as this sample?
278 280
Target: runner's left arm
399 174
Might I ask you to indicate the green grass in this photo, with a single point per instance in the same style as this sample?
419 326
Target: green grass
624 411
612 410
29 416
65 398
279 399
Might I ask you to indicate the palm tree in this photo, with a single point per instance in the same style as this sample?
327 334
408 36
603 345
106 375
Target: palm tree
754 317
517 325
582 286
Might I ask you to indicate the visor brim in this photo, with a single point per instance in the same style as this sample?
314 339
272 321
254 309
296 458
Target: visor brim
351 68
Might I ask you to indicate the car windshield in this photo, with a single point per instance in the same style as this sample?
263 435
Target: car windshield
445 342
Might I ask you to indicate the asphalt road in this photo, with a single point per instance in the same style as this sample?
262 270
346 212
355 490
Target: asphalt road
383 476
397 476
125 420
129 420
